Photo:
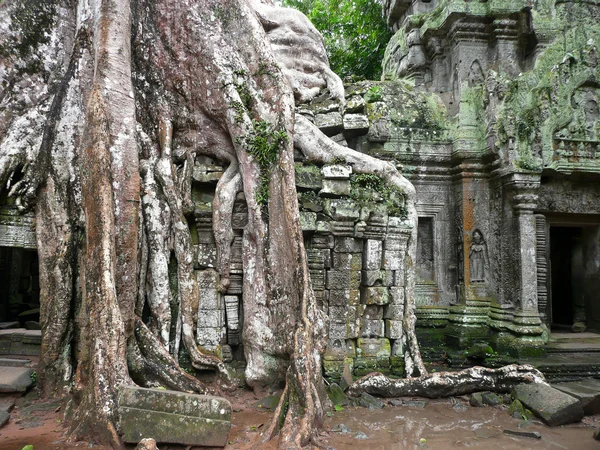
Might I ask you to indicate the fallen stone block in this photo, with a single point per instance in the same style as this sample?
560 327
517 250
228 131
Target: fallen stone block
551 405
15 379
586 391
173 417
527 434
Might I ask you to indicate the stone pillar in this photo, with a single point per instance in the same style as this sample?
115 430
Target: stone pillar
506 33
526 326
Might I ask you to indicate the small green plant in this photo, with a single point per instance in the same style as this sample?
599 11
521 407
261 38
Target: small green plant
365 187
33 377
263 143
338 408
374 94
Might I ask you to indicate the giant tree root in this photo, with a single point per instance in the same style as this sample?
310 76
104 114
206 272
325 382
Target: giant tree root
448 384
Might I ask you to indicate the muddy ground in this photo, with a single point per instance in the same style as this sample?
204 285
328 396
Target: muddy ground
439 424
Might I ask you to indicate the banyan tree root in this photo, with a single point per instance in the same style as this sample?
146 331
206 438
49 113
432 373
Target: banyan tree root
448 384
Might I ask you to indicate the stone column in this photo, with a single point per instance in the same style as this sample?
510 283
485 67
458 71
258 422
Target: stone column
526 326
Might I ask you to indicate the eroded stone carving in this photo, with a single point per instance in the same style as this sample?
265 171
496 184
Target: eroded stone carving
478 258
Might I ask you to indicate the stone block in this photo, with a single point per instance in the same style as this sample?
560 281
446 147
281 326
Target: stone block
15 379
372 328
330 123
210 337
396 295
355 104
335 188
343 279
239 220
393 329
347 245
372 312
393 260
336 349
173 417
206 256
375 295
374 348
308 221
308 177
342 210
337 331
587 391
209 318
374 277
551 405
394 312
338 314
207 279
355 124
347 261
336 172
372 254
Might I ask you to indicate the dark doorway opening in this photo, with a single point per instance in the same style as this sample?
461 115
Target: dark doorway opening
19 287
566 264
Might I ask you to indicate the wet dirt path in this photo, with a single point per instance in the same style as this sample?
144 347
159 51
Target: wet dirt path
441 424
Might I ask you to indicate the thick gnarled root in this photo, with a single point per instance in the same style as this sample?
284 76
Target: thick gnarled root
448 384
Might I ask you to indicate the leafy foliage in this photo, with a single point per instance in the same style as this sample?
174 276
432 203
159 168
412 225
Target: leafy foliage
365 187
264 143
355 34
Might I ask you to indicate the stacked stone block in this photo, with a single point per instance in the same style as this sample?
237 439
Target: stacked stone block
210 333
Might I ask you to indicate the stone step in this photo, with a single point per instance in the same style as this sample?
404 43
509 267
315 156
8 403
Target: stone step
19 341
572 347
11 362
574 338
9 325
173 417
15 379
566 366
586 391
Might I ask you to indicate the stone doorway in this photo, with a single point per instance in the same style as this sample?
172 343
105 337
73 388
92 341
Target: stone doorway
574 282
19 287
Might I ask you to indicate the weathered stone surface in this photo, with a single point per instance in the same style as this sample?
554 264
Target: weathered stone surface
393 329
347 245
4 418
372 254
375 295
336 172
308 177
336 395
355 104
476 399
551 405
377 348
173 417
15 379
491 399
368 401
586 391
10 362
518 411
147 444
330 123
335 188
356 124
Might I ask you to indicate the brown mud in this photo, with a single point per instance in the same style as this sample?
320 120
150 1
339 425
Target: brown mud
440 424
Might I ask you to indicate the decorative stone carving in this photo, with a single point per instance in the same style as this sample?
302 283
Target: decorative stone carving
478 258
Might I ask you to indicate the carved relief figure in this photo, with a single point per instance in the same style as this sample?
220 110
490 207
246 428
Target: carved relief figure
478 258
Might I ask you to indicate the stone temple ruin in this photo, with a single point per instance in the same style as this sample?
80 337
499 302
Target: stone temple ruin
490 108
